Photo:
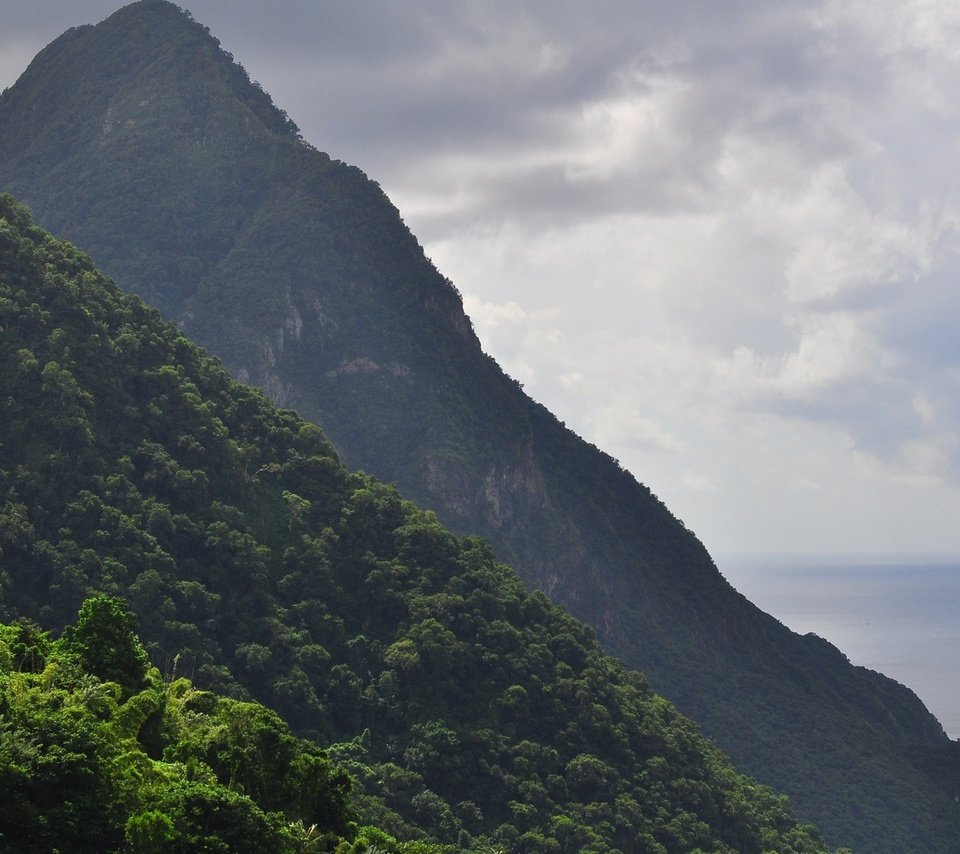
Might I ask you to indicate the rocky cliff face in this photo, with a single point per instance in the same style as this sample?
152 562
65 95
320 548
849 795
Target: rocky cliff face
142 142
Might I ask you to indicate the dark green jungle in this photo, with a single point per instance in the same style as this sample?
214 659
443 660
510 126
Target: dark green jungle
142 142
468 713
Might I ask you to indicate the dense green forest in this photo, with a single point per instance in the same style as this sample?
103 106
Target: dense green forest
98 752
144 143
470 712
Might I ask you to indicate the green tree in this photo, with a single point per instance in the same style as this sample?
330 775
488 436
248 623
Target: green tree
104 641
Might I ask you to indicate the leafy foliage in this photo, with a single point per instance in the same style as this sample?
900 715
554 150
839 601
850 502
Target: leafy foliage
85 766
103 641
471 712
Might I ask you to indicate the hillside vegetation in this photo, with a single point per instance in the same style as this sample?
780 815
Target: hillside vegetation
143 142
471 712
99 753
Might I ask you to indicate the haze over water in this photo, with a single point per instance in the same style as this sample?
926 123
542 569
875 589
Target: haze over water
894 614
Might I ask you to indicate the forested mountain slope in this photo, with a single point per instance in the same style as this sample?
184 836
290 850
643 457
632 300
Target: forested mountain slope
474 714
141 141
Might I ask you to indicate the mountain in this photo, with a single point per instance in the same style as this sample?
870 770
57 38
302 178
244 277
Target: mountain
142 141
474 715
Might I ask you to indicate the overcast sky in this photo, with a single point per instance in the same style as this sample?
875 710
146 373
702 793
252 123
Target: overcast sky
719 240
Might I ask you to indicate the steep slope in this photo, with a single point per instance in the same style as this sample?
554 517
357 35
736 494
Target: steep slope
140 140
473 713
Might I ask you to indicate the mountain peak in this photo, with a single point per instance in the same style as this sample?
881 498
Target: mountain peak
102 105
95 83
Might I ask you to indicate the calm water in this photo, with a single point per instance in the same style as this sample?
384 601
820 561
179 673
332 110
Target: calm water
895 615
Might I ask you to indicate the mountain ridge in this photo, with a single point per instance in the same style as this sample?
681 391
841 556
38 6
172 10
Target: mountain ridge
298 272
472 714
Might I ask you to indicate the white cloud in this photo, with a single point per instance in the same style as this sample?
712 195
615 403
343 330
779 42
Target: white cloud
488 315
620 425
699 482
837 350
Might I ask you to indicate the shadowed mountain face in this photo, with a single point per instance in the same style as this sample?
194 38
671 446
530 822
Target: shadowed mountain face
141 141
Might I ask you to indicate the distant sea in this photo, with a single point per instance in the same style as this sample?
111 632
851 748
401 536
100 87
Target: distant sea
898 615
